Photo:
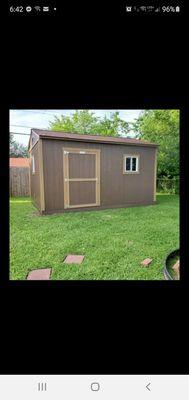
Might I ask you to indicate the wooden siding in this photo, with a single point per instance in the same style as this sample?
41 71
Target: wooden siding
81 165
116 189
155 173
35 178
41 176
82 193
19 181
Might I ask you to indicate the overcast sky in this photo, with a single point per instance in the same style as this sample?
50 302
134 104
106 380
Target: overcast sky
21 121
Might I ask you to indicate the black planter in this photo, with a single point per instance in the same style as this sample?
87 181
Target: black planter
166 273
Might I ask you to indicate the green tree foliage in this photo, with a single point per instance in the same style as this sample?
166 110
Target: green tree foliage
162 127
16 149
86 122
11 139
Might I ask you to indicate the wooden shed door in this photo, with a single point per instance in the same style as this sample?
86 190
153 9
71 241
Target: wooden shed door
81 169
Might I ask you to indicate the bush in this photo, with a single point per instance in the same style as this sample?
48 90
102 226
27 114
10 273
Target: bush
167 185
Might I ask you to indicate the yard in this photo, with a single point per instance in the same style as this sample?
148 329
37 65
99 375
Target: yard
114 241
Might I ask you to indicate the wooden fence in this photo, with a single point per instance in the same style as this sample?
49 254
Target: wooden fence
19 181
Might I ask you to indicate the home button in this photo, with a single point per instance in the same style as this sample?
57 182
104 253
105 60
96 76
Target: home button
95 387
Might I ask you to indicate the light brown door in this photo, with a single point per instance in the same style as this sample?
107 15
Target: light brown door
81 170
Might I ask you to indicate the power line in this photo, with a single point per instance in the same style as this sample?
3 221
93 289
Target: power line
41 112
23 126
17 133
49 113
31 127
46 113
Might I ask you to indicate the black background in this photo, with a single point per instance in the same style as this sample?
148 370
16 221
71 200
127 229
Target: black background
93 55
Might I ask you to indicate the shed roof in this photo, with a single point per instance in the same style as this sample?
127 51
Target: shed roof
91 138
19 162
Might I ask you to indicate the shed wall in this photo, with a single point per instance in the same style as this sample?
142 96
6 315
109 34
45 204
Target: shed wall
35 178
117 189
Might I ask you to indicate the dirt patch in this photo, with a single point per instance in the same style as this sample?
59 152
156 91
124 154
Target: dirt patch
33 214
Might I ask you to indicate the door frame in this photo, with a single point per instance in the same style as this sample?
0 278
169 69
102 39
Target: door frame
66 151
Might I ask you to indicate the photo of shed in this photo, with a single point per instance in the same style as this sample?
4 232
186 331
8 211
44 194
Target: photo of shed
73 172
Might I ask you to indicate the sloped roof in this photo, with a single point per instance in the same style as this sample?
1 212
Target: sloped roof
19 162
91 138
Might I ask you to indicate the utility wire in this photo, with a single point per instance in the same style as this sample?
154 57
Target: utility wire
31 127
41 112
49 113
17 133
24 126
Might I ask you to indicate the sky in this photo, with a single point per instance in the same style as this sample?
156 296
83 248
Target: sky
21 121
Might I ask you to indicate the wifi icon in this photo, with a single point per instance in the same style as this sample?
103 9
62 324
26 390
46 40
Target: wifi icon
37 8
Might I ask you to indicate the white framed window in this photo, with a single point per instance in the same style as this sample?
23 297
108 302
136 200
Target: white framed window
131 163
33 165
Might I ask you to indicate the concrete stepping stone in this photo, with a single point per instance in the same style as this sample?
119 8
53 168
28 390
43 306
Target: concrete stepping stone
146 262
42 274
73 259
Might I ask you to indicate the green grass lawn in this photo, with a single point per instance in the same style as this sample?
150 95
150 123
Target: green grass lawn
114 242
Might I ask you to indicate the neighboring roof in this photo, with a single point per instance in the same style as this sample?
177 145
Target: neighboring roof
91 138
19 162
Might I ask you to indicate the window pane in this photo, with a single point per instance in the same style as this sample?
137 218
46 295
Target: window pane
134 164
128 163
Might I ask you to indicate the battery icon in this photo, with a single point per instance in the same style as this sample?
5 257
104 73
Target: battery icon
177 9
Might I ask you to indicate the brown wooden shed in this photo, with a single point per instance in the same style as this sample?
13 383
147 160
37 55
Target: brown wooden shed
70 172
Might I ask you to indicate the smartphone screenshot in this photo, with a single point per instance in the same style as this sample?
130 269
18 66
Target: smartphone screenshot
94 276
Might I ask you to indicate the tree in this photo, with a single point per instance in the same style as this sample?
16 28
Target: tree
162 127
16 149
11 139
85 122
